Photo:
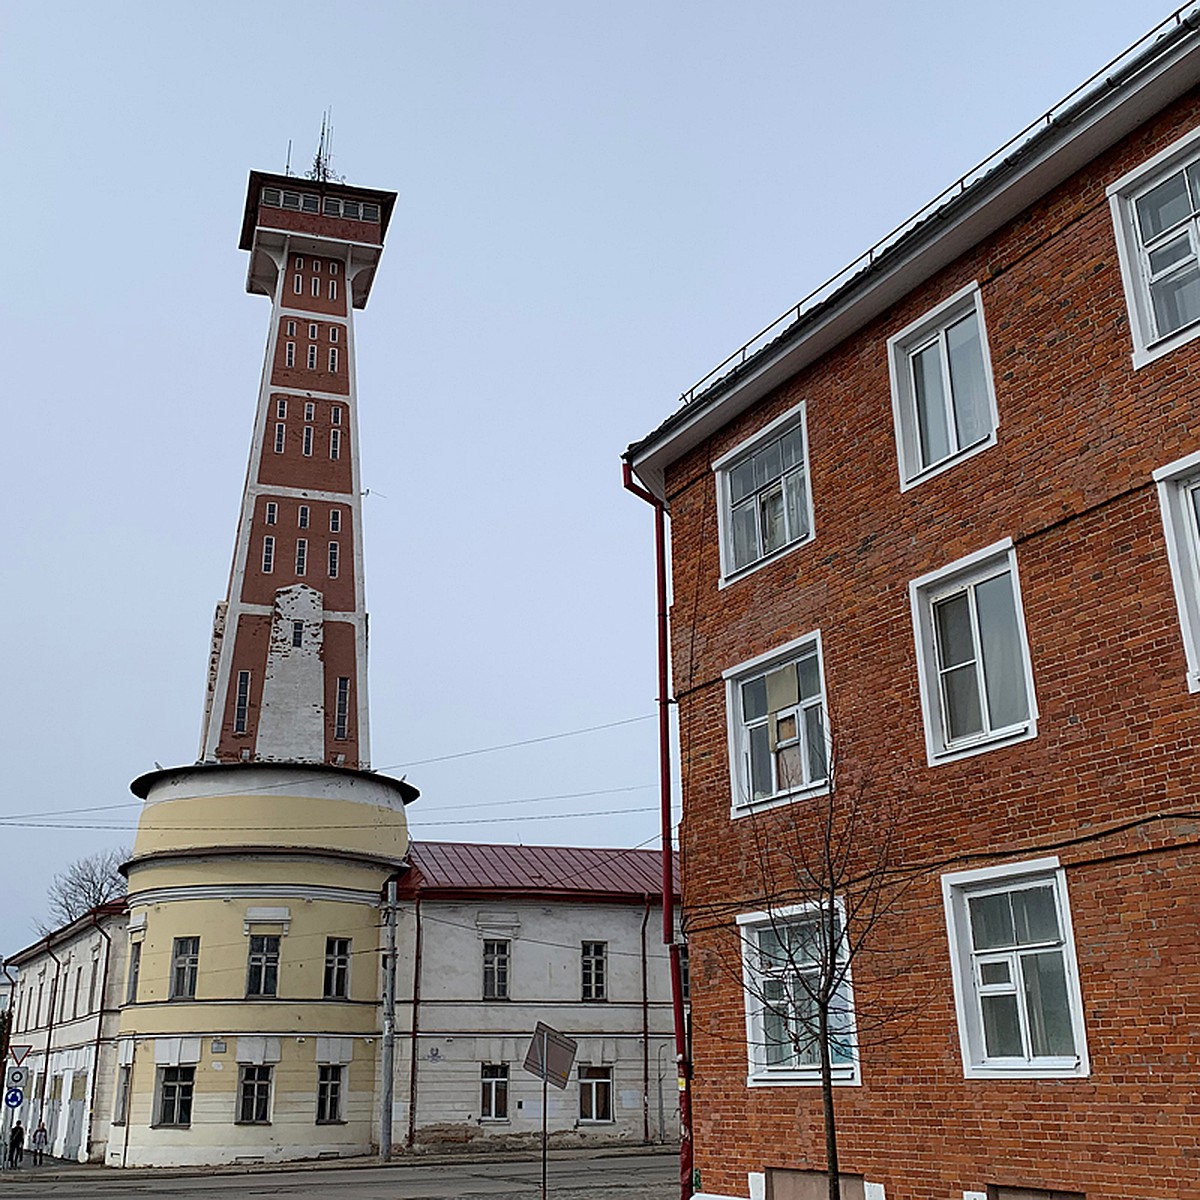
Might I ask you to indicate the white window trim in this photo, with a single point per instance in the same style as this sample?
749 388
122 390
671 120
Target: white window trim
733 724
796 415
919 590
1183 555
898 345
1121 197
954 887
757 1073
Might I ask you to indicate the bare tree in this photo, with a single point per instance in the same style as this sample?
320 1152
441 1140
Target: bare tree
88 881
826 881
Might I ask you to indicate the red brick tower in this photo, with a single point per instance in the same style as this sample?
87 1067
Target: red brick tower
287 679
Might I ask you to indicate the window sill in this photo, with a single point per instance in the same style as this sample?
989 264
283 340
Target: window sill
981 745
1044 1069
338 1121
755 806
494 1121
593 1000
916 478
844 1077
252 1122
728 578
1144 355
170 1125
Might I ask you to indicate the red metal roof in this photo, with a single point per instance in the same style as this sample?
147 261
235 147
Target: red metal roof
457 867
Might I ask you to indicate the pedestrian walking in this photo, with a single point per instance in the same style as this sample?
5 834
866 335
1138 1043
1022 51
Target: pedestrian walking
16 1144
38 1143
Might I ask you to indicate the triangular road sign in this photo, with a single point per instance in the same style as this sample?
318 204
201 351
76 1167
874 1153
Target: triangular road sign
19 1053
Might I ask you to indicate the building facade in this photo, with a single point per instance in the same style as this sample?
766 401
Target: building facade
936 567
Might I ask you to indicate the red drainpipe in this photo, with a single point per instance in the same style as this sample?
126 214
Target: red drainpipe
683 1066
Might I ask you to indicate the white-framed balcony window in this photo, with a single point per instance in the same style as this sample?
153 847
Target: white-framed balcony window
1179 495
1156 215
763 496
943 395
1016 980
778 737
790 957
973 655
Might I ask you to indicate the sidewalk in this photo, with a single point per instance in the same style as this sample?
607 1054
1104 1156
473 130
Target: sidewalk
64 1170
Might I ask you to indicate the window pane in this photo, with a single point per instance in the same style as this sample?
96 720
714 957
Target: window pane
768 464
1163 206
1046 1003
991 921
993 973
955 642
1001 1026
1175 251
930 403
789 764
792 448
761 782
960 689
1003 668
771 509
745 535
968 385
1176 300
809 676
1035 917
814 734
797 506
741 480
754 698
777 1049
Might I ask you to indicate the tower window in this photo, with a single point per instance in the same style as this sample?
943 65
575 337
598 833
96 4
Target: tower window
289 354
272 512
302 516
342 708
241 705
312 333
297 633
308 440
333 289
350 209
316 286
370 212
333 360
317 265
310 204
333 560
291 329
333 268
310 411
335 520
298 284
268 559
280 436
299 263
335 415
312 358
333 333
301 555
281 409
335 443
333 206
292 200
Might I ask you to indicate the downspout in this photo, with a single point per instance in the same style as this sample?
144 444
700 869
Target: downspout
683 1066
645 1031
416 1027
49 1033
12 1012
129 1105
99 1030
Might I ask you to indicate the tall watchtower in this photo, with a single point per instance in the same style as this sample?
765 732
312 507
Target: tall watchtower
287 679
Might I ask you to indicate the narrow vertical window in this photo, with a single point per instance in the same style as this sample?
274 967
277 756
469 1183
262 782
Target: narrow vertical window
185 965
92 981
335 415
291 329
262 967
493 1105
333 289
337 968
241 704
121 1108
495 968
316 286
281 408
329 1095
301 555
312 333
135 970
308 436
272 512
333 560
335 520
280 437
297 633
333 360
299 263
302 516
317 265
335 443
310 411
289 354
341 721
268 555
593 960
298 284
312 358
333 333
333 268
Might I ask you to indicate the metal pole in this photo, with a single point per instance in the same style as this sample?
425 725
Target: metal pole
545 1095
389 1024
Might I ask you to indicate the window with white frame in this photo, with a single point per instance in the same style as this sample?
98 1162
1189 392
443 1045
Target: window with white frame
297 634
281 408
333 560
298 284
335 520
301 555
1156 213
312 333
312 357
333 289
594 970
335 414
341 709
1179 496
317 265
973 656
241 702
329 1094
333 268
943 398
493 1105
333 333
496 953
333 360
794 963
307 443
289 354
778 736
316 286
280 437
302 515
272 514
310 411
595 1094
268 555
1016 982
335 443
762 491
291 332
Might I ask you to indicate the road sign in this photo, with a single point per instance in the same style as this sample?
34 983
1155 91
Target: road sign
16 1077
559 1055
14 1097
19 1053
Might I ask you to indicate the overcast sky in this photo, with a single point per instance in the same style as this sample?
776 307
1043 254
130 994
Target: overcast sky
598 202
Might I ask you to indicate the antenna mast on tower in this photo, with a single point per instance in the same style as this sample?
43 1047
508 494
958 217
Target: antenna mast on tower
321 170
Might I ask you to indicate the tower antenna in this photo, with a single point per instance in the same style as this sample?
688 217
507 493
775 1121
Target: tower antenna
321 170
287 166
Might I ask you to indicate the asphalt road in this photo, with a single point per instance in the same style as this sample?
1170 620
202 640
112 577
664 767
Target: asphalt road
625 1177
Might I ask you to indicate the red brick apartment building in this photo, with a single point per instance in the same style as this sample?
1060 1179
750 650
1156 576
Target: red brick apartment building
942 529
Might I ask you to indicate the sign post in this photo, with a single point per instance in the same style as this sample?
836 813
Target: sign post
550 1057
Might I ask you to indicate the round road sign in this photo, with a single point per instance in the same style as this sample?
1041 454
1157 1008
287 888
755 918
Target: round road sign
14 1097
